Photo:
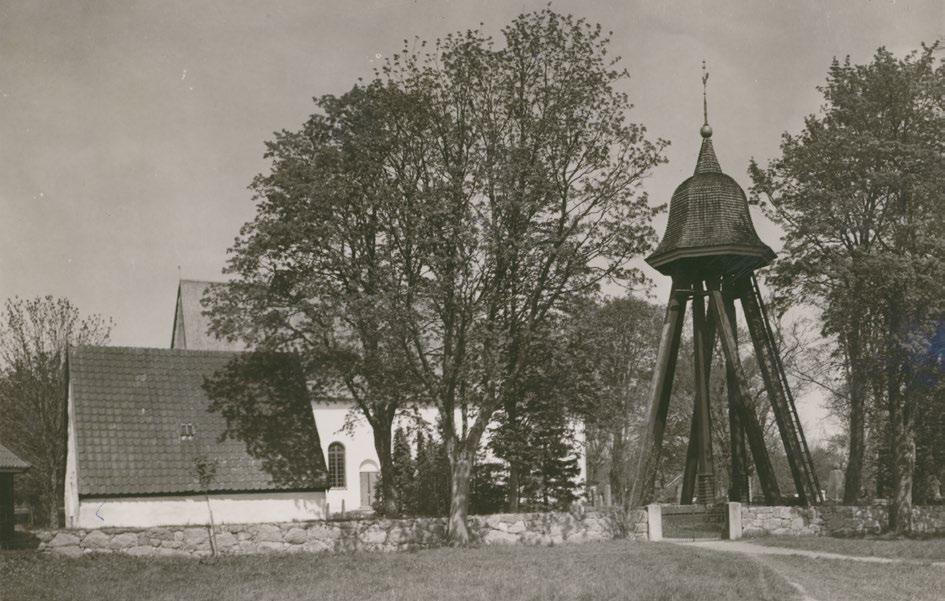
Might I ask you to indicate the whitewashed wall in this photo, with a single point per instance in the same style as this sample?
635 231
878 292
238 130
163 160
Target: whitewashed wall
192 510
330 419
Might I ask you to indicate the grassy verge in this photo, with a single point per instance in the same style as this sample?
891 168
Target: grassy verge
928 549
860 581
605 571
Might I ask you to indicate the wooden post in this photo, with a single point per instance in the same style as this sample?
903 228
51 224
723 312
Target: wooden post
7 516
749 419
705 489
692 457
660 389
738 480
692 451
734 521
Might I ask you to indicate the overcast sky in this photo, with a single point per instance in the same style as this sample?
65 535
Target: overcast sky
129 131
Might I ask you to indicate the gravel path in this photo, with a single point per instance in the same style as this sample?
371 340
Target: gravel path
765 555
747 548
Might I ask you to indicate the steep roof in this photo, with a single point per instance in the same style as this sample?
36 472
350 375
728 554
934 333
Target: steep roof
9 462
709 226
191 326
145 423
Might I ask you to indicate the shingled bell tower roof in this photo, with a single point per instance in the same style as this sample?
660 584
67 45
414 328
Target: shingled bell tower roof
709 229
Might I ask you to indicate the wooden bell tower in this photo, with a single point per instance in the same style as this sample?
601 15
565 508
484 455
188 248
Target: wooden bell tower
711 250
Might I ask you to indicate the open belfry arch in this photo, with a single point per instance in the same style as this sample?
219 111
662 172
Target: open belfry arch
711 251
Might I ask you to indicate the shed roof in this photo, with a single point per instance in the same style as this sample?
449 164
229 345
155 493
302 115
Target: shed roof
9 462
144 423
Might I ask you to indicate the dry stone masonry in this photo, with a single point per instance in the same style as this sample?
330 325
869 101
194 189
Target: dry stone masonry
835 520
350 535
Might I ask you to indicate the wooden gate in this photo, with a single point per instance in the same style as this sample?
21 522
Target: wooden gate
694 521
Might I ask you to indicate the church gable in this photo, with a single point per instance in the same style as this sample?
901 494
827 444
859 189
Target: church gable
191 327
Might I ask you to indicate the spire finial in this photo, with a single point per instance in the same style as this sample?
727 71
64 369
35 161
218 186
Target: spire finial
706 131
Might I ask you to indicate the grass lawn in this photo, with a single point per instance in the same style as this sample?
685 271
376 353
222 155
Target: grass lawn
932 549
844 580
602 571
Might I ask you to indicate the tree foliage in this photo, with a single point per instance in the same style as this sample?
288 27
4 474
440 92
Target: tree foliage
34 337
405 473
422 228
858 193
533 181
265 402
319 271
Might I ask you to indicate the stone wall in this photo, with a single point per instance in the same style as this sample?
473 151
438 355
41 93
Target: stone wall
853 520
835 520
349 535
761 520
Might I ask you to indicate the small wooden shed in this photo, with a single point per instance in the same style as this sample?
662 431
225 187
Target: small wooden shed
10 464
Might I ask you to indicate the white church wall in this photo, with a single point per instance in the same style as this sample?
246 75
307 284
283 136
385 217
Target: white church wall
192 510
358 441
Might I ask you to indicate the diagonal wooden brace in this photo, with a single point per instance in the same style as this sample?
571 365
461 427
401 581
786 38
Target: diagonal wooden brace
745 406
660 390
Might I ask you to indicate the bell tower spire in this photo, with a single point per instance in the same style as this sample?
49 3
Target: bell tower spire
706 131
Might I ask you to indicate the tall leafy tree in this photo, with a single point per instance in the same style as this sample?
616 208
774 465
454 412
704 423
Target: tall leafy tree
612 349
531 196
429 223
34 338
319 271
858 193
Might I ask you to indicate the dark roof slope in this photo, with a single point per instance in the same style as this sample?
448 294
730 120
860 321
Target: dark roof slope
132 407
191 326
9 462
709 223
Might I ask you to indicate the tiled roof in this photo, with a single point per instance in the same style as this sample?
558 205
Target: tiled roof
131 406
709 223
191 326
9 462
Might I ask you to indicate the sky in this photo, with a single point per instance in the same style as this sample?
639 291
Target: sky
129 131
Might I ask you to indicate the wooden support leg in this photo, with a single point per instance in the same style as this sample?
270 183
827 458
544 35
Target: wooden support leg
7 516
692 458
705 481
660 389
746 409
738 480
692 451
798 456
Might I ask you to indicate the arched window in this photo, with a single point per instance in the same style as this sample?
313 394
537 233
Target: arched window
336 465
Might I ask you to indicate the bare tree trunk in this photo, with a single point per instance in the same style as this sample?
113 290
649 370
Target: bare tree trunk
900 513
53 505
857 385
515 465
514 485
461 465
853 478
618 470
382 445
